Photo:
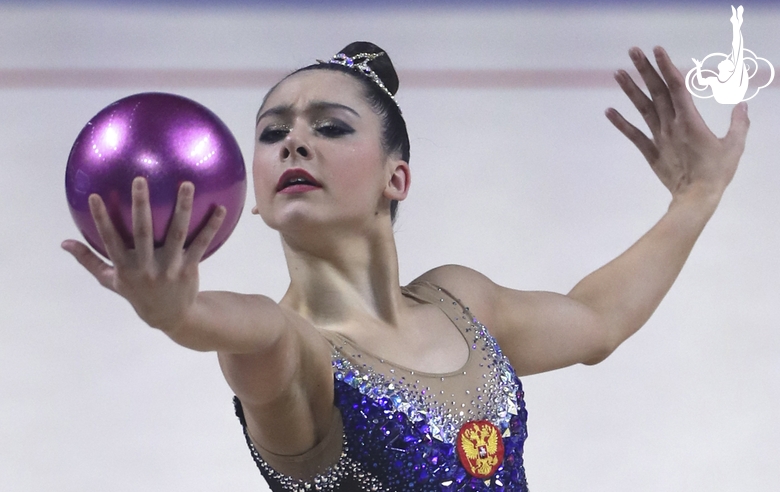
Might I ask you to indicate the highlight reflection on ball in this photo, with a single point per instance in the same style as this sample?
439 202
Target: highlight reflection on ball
167 139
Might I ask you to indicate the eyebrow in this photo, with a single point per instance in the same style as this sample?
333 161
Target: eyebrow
315 106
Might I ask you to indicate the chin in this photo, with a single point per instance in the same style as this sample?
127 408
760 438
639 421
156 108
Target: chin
294 221
307 218
321 227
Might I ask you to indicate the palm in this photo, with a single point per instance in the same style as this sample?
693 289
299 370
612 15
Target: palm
160 283
683 152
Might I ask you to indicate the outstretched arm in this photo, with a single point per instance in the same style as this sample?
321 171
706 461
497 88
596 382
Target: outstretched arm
162 284
273 359
541 331
261 344
693 164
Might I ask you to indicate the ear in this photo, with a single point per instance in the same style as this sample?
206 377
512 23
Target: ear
255 211
401 178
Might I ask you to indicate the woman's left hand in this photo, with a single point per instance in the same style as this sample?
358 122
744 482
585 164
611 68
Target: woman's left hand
685 155
542 331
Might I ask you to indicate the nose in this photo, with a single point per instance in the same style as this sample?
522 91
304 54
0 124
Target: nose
295 147
300 150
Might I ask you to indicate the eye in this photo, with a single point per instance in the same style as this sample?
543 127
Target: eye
333 129
272 134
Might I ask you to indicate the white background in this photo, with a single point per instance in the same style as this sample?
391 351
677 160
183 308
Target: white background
531 186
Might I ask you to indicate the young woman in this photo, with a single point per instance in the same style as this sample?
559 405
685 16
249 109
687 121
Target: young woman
353 382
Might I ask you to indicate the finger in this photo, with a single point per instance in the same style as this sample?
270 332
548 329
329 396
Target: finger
675 82
177 230
644 144
99 269
740 123
143 234
115 246
201 242
641 102
655 85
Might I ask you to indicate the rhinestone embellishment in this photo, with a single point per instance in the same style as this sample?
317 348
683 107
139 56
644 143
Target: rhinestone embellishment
403 432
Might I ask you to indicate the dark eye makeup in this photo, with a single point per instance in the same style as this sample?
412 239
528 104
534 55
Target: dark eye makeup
327 128
333 129
273 133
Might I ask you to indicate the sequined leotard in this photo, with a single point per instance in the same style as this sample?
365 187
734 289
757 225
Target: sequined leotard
401 427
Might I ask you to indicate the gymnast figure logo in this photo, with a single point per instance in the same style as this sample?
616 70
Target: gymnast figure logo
730 84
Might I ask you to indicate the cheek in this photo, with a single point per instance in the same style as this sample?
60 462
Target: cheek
361 172
262 174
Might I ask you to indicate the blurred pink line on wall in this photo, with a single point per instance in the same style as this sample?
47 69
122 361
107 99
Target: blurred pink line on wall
96 78
101 78
507 78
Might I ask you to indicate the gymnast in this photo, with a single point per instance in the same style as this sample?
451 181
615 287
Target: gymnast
352 382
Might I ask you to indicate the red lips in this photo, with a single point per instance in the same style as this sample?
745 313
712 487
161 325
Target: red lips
294 176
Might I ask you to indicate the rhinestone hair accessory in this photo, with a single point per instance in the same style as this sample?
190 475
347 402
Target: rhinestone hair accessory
359 63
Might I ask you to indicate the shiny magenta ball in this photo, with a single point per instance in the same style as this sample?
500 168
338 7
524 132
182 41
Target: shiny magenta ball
167 139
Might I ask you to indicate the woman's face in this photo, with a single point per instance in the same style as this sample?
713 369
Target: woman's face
318 121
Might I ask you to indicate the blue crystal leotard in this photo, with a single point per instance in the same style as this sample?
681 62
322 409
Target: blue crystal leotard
400 426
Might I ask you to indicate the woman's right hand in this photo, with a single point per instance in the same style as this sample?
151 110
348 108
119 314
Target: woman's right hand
161 284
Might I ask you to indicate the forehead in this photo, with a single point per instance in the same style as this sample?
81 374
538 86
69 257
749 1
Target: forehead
305 87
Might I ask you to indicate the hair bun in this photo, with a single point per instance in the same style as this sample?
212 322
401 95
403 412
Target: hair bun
382 66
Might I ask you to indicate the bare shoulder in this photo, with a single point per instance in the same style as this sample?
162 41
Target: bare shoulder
537 331
471 287
456 278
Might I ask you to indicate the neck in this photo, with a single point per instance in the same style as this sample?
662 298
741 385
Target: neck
344 277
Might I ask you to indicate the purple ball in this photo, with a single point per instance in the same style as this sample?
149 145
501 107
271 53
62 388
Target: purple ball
167 139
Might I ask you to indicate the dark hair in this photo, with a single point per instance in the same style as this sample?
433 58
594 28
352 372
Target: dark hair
395 138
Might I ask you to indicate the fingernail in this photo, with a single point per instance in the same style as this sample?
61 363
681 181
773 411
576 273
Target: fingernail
634 54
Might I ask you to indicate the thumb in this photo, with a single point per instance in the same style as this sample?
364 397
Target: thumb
99 269
739 127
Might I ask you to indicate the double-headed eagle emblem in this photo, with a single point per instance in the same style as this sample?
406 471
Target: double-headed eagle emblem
480 448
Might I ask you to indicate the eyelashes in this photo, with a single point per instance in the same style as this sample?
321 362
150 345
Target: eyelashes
272 134
328 129
334 130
